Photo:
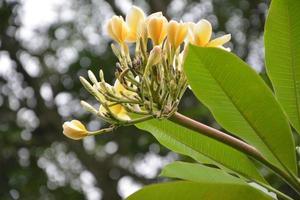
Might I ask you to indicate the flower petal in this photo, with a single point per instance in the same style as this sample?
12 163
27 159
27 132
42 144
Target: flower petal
219 41
135 19
202 32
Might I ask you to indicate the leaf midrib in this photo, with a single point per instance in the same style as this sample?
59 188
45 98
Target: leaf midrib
292 52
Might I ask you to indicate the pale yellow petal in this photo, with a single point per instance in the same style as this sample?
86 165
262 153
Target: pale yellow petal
157 14
219 41
120 88
134 16
181 34
163 32
202 32
110 30
119 28
191 32
116 26
78 124
224 48
135 19
124 31
115 109
154 29
122 114
172 32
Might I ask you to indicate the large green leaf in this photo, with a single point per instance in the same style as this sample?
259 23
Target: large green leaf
184 190
282 43
241 102
200 147
199 173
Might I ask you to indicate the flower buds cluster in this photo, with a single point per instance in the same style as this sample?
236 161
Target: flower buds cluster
150 83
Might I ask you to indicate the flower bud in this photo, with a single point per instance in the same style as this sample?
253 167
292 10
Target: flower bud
135 20
155 56
157 28
117 29
176 33
74 129
88 107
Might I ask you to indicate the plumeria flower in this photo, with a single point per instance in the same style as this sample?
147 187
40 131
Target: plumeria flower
74 129
118 29
200 35
177 32
157 28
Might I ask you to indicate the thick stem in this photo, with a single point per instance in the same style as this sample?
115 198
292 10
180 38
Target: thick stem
233 142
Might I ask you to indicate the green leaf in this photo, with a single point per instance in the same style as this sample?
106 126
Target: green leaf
282 43
185 190
200 147
241 102
199 173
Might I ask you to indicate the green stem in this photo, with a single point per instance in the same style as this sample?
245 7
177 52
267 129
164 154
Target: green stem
104 130
137 120
235 143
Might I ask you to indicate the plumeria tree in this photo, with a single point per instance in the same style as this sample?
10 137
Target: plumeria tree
158 60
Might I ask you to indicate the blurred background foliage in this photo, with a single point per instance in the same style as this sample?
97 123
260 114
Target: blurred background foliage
44 46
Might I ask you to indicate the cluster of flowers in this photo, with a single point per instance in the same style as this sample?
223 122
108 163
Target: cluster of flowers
150 83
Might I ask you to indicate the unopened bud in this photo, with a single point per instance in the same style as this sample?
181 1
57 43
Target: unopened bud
74 129
88 107
92 77
115 50
87 86
155 56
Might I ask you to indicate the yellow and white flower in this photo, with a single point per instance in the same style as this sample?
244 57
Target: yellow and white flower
74 129
157 26
177 32
117 29
200 35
